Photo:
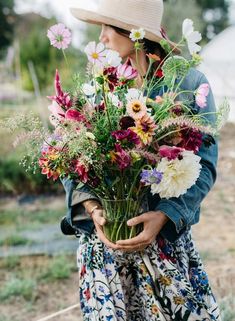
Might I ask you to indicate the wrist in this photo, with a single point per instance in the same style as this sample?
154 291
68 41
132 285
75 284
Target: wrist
91 205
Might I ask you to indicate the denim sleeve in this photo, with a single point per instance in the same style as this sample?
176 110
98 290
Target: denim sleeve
183 211
74 197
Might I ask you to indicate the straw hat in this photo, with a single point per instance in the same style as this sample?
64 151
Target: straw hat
128 14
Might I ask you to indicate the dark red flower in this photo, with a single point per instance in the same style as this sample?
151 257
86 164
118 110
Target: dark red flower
128 134
111 76
126 122
120 157
191 139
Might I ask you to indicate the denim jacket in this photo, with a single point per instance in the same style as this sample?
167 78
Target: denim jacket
183 211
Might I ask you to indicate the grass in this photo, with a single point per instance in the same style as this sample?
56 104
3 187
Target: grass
10 262
227 308
59 268
15 240
26 218
19 287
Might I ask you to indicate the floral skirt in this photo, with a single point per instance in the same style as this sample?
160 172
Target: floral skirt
165 282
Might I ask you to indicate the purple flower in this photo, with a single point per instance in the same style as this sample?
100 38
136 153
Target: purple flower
60 36
149 177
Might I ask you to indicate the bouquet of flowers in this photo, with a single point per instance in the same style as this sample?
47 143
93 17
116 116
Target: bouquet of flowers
122 140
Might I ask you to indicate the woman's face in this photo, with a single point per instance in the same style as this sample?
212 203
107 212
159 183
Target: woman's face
113 40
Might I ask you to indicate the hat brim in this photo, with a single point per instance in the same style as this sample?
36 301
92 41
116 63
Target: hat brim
98 19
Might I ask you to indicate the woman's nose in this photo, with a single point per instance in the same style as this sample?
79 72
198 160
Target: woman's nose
103 37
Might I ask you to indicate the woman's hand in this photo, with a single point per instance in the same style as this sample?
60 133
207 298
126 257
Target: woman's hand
153 223
99 222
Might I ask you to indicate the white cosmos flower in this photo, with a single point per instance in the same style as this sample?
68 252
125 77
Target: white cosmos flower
88 89
90 135
114 100
133 94
113 58
137 34
191 36
96 53
178 175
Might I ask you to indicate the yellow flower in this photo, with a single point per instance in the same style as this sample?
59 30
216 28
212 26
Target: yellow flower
145 128
178 300
149 289
165 280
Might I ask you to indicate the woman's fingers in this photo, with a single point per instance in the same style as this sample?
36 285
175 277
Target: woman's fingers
99 221
97 216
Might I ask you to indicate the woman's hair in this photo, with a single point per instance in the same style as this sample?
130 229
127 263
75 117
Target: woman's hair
150 47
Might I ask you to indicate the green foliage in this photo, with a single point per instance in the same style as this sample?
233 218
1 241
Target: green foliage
7 19
18 287
174 16
210 16
59 268
15 180
31 218
10 262
15 240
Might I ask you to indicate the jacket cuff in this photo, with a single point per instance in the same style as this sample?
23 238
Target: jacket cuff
79 197
174 212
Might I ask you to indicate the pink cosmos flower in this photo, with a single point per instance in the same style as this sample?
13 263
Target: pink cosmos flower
126 71
60 36
96 53
61 98
170 152
201 94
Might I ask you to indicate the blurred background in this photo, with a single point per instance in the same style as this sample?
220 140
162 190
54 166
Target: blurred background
37 263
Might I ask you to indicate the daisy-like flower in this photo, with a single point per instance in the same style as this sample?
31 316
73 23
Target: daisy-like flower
145 128
178 175
201 94
59 36
113 58
137 34
136 104
96 53
191 36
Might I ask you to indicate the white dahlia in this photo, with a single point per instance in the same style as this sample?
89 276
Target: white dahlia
178 175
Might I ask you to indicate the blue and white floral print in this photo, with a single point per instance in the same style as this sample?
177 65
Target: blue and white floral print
166 282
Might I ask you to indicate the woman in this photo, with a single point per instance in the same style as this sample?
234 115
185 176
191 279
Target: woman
157 275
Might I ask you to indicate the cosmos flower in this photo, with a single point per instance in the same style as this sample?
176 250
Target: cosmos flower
59 36
136 104
96 53
201 94
191 36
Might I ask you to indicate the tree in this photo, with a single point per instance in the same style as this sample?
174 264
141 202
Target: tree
174 16
7 20
212 14
215 14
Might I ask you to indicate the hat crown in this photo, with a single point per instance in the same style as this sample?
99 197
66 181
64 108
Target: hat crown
143 13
